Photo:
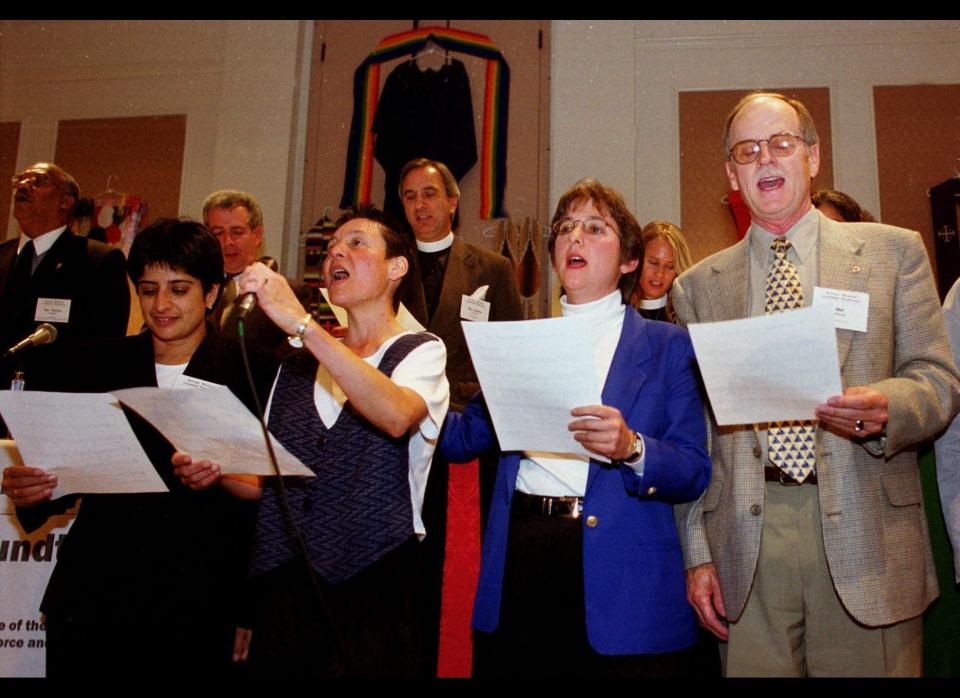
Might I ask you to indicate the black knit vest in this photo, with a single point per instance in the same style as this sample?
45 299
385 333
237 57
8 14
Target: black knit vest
358 507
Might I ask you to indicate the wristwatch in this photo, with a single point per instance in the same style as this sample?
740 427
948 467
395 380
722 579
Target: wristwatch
637 449
296 340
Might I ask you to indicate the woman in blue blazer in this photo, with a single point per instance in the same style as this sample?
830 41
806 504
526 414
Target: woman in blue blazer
582 572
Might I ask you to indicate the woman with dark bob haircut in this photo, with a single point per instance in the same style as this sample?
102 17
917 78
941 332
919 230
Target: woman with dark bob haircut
581 572
145 584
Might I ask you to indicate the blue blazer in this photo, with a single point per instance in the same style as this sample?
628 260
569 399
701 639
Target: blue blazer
634 582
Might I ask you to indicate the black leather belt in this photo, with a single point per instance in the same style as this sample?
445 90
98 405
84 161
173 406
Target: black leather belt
772 474
560 507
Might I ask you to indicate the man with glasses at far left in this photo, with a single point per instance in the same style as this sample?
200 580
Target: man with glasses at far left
49 275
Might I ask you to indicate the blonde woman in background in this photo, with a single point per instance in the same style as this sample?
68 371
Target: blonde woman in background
665 257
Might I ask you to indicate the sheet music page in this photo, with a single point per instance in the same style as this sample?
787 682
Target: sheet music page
84 438
533 372
769 368
210 423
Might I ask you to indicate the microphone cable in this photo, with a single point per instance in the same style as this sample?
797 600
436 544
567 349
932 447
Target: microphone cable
285 507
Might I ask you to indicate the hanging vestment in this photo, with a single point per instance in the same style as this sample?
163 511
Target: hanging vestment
366 89
423 114
944 199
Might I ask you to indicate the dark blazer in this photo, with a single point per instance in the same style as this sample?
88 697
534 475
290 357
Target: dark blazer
92 275
260 330
154 568
468 268
635 594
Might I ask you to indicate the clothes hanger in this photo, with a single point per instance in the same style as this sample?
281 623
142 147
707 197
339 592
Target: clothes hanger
108 192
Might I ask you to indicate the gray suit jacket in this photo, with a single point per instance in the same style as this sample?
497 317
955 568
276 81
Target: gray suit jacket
874 526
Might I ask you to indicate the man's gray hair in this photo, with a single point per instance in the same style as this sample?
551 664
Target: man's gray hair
449 181
231 198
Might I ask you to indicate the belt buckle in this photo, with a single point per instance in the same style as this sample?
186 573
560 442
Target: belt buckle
553 505
577 508
575 504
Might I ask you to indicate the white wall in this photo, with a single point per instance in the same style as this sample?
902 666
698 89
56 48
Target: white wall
615 86
237 82
614 94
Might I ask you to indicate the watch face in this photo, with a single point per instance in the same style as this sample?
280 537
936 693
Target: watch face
295 341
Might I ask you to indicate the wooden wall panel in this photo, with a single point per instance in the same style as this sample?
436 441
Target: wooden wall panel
918 146
141 155
9 145
705 218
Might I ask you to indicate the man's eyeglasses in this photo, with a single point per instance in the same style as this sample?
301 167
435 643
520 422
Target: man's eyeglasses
591 226
780 145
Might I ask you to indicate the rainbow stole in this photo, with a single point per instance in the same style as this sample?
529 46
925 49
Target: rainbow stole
366 90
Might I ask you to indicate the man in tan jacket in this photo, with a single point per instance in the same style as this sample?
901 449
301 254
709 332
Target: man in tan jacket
822 569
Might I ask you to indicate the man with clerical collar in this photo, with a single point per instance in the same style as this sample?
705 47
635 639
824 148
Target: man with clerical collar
809 551
459 281
236 220
450 270
51 275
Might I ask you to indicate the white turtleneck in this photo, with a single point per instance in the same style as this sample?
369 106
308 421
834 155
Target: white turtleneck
565 474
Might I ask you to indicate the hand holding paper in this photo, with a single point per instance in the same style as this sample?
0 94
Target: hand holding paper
603 432
859 406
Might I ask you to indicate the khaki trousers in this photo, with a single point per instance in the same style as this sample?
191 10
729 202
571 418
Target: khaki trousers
794 623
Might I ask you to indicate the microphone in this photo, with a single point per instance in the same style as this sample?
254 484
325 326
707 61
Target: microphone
44 334
249 300
245 304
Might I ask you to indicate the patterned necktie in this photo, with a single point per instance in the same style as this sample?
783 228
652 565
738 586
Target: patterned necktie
791 446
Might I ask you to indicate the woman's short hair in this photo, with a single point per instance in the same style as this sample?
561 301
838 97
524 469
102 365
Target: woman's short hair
181 244
399 242
608 202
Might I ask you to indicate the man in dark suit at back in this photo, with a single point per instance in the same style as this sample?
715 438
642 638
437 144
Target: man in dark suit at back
50 275
236 219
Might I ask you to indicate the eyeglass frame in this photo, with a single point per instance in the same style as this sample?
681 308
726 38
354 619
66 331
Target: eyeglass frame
582 222
756 154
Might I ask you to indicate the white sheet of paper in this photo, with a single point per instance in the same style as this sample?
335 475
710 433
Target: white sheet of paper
533 372
211 424
82 437
850 308
404 317
769 368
